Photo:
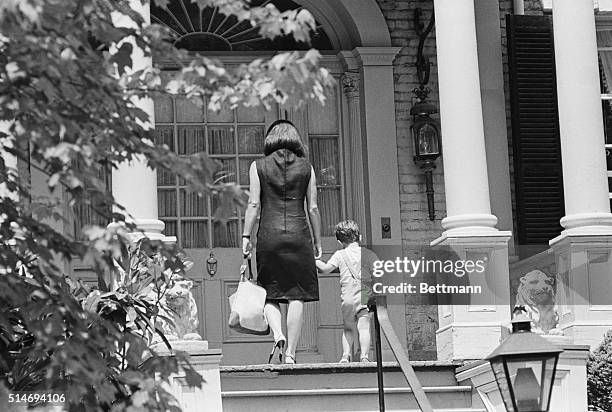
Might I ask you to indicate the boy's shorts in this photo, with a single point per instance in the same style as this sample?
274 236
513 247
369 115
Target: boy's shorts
352 311
352 305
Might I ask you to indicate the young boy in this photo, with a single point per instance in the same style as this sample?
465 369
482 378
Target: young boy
353 294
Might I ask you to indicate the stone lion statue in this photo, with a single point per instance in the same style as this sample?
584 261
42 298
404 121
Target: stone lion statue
180 307
536 294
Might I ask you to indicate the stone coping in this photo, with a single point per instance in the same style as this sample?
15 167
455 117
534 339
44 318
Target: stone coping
558 340
330 367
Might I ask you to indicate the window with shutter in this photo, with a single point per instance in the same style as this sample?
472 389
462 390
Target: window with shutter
535 129
604 45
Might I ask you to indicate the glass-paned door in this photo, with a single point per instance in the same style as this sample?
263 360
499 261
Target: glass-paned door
235 139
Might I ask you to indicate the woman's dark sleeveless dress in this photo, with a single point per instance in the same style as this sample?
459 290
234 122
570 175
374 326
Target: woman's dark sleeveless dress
285 256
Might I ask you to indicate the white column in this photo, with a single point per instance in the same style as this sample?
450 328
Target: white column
488 34
134 184
10 160
463 143
585 182
468 331
584 249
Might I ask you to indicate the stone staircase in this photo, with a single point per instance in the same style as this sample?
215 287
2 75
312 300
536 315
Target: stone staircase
341 387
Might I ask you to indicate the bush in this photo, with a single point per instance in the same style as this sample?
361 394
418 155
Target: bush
599 377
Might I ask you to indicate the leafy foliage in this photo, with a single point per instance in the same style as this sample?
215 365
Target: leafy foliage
71 80
599 376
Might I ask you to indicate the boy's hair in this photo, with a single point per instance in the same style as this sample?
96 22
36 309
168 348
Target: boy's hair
347 231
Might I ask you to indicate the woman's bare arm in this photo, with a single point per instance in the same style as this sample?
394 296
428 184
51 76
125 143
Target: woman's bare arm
250 215
313 212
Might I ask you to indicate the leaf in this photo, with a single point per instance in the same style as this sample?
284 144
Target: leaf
90 303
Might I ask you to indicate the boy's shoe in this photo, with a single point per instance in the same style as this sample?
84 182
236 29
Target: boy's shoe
345 359
364 359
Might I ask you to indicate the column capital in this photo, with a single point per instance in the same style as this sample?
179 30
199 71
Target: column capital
376 56
350 84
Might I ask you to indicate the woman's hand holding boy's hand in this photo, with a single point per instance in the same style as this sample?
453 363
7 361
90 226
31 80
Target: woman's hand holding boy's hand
318 251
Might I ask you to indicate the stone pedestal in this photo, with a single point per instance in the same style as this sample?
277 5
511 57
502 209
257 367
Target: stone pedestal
206 362
473 330
569 390
584 282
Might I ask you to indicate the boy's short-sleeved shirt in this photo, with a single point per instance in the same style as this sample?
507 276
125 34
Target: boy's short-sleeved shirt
354 262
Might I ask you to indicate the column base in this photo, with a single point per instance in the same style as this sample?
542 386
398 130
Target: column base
206 362
468 225
464 341
472 331
569 390
152 229
585 224
583 300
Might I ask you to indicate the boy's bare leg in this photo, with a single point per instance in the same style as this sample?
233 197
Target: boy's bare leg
363 326
347 341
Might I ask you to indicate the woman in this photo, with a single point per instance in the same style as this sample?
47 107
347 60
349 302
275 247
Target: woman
280 182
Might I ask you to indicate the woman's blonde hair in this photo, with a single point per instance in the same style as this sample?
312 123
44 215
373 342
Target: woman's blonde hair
282 134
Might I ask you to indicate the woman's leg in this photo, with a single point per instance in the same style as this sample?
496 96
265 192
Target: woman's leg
273 315
363 326
294 325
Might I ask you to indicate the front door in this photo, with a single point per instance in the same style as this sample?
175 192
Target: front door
235 139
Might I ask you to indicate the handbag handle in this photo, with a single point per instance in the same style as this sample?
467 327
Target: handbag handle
246 263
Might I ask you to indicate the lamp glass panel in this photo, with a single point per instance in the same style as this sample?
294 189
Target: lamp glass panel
531 378
549 374
502 382
428 140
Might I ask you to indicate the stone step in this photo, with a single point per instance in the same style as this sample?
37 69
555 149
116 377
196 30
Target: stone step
339 387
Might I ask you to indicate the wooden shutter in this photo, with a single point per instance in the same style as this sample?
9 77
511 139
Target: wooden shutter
535 129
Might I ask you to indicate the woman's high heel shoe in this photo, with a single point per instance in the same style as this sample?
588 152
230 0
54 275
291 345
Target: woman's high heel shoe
280 345
290 359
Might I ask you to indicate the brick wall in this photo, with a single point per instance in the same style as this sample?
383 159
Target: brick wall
417 229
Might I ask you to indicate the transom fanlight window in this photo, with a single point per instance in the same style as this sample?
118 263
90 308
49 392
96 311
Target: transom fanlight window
208 30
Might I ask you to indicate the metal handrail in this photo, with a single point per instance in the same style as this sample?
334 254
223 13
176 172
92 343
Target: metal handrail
382 322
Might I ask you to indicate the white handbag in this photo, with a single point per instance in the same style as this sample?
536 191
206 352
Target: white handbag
247 305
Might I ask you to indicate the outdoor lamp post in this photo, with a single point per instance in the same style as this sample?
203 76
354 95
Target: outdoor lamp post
427 145
524 366
211 264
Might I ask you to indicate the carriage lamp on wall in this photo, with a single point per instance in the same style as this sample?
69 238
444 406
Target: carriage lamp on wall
425 129
211 264
427 144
